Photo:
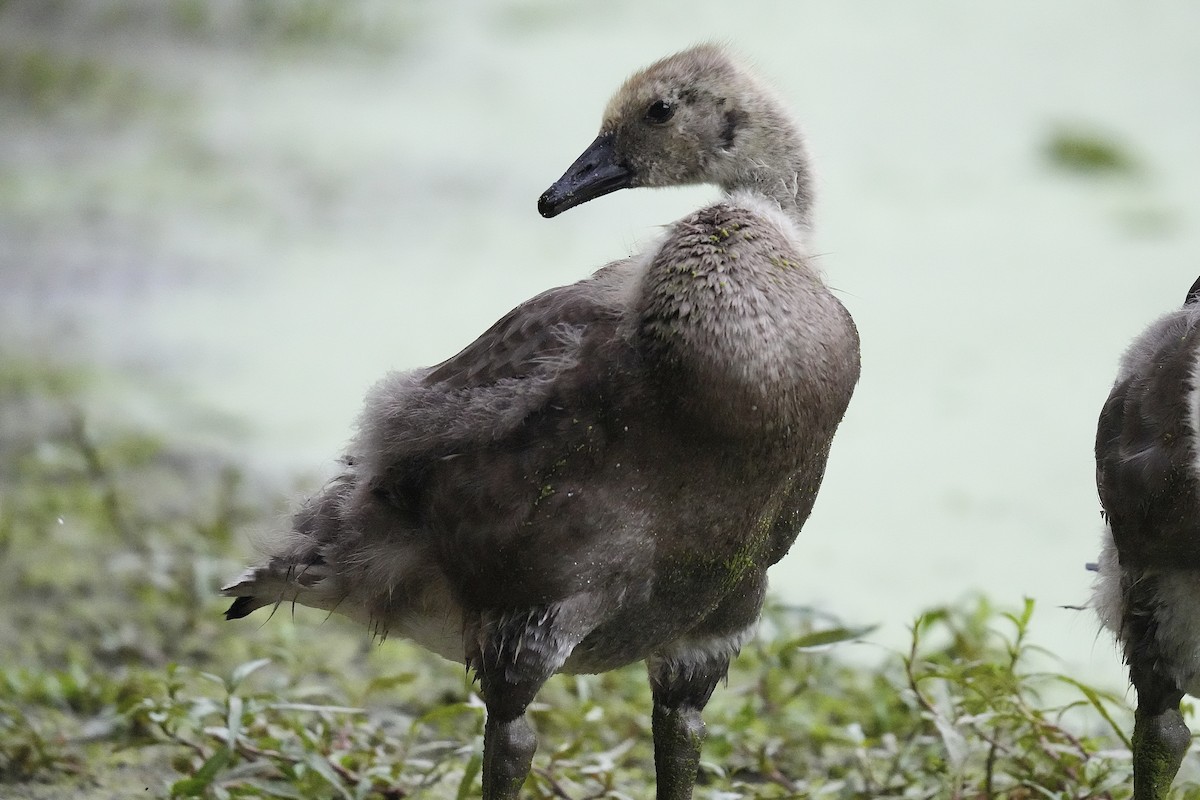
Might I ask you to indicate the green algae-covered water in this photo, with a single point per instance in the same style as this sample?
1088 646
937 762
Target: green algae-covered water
252 215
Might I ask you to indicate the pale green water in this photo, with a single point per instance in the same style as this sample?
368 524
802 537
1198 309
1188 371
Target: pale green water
268 227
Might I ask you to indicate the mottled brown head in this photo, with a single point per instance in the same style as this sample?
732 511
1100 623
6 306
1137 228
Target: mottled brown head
694 117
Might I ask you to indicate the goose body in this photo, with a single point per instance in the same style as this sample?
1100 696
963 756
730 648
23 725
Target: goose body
1147 589
606 474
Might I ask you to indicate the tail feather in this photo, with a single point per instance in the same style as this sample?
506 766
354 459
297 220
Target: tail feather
254 588
298 572
275 583
243 606
347 551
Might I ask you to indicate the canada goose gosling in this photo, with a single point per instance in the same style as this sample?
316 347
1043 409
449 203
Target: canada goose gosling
606 474
1147 591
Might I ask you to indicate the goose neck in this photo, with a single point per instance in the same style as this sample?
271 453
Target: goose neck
790 188
778 170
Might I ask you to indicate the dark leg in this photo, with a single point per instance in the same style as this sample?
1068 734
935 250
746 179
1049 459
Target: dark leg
680 694
508 748
1160 736
519 653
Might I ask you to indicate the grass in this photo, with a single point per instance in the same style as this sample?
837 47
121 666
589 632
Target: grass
120 677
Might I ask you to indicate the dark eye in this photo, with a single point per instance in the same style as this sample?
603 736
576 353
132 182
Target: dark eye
659 112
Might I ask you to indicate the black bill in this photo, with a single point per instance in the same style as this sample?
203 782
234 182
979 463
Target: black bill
595 173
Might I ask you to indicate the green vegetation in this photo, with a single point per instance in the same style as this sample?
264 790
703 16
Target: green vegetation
70 58
377 25
44 81
120 677
1087 152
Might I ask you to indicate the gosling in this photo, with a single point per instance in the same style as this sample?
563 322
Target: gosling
1147 591
606 474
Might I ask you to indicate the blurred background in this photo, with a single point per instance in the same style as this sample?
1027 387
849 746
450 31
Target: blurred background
242 214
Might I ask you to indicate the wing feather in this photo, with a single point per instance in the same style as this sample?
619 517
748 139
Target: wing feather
485 393
1146 460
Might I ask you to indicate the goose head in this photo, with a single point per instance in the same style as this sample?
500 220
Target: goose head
693 117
